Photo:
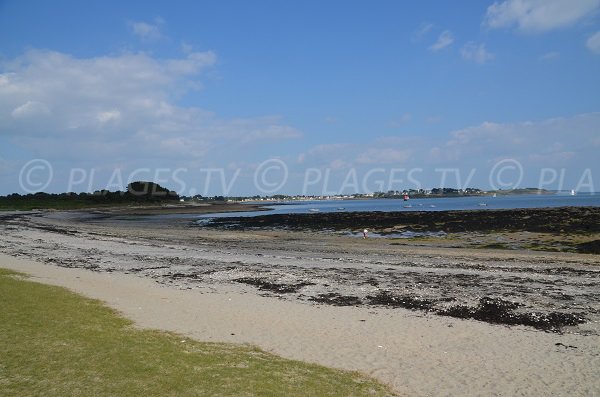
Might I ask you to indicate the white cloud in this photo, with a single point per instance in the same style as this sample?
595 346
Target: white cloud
146 30
557 142
121 106
476 53
384 156
445 39
384 150
538 15
547 142
465 157
338 164
433 119
593 43
326 151
30 109
264 129
422 31
405 118
111 115
550 56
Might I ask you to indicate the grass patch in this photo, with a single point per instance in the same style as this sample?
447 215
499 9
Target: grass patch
56 343
28 205
501 246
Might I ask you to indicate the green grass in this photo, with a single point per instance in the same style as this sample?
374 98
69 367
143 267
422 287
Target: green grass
56 343
28 205
500 246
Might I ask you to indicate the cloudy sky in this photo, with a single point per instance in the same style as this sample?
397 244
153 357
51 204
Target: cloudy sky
246 97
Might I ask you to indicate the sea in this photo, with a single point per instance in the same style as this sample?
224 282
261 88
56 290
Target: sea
423 204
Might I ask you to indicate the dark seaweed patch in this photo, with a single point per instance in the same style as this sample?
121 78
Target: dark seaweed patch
56 230
176 276
385 298
499 311
336 299
546 220
265 285
591 247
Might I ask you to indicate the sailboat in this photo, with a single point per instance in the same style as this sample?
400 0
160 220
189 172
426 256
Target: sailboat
572 192
405 197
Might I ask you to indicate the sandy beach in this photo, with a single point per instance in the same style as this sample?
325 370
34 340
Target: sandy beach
313 297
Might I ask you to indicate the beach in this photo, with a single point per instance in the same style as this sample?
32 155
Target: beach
427 320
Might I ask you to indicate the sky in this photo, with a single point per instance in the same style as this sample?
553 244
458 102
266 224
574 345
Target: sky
299 97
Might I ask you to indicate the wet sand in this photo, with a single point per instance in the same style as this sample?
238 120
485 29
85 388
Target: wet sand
340 301
572 229
176 208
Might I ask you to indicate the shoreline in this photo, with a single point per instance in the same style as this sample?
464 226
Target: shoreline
490 285
415 355
305 295
174 209
570 229
554 219
153 209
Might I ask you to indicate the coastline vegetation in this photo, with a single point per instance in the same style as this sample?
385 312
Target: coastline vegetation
57 343
137 193
143 193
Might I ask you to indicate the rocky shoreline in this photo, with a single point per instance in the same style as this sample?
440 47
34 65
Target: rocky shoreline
545 291
553 220
572 229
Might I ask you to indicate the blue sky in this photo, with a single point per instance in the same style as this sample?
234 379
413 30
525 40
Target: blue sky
239 97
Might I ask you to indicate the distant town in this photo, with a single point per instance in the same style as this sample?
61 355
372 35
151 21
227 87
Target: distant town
150 193
392 194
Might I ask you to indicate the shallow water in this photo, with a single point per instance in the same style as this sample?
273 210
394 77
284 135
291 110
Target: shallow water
405 234
424 204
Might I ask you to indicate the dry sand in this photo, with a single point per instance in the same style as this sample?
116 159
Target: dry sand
417 355
182 279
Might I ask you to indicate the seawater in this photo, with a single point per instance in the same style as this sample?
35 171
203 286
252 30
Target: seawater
423 204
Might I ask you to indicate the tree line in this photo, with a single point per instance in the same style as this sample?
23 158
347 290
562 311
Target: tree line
139 192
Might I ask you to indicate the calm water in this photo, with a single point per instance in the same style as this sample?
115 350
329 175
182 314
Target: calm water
425 204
